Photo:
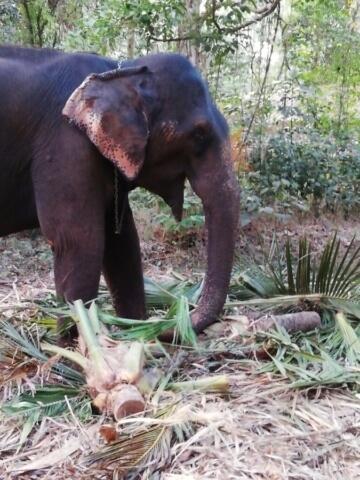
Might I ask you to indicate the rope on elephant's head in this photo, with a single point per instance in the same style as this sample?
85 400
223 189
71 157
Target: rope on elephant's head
120 72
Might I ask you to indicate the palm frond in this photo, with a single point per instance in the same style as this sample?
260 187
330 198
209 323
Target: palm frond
164 294
351 339
177 318
50 400
149 445
27 341
290 281
183 329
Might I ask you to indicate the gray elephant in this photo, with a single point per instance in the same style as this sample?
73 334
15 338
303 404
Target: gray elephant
78 132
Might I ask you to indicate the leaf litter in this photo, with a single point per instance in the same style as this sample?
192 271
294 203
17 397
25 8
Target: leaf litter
293 414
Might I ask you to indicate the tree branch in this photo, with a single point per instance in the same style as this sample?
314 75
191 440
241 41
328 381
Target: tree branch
257 19
261 14
25 5
264 80
215 22
40 25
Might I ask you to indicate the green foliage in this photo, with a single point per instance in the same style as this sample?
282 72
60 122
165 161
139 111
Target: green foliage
311 167
177 319
9 16
27 342
294 81
38 23
192 220
48 401
334 274
312 360
176 296
193 217
323 41
327 282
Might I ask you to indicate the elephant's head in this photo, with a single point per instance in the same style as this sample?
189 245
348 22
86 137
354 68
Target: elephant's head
155 120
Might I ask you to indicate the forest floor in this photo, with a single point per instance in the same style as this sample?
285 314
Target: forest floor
262 430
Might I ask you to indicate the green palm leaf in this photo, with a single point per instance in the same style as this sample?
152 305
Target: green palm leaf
145 445
13 340
333 278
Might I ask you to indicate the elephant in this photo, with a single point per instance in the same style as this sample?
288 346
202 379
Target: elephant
78 132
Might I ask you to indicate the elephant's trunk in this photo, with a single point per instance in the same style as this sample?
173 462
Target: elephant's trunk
219 192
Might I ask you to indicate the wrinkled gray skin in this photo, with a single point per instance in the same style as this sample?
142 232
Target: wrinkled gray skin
156 124
197 148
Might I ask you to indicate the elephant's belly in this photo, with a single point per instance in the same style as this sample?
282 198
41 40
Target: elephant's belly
17 204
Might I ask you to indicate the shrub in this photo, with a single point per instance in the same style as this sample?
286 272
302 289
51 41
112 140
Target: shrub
307 166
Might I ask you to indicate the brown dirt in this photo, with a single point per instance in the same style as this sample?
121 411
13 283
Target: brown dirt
26 259
262 431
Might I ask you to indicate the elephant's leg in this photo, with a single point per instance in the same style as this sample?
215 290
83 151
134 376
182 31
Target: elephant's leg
77 265
71 204
77 268
122 267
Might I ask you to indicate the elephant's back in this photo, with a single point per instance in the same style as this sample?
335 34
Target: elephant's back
34 87
37 78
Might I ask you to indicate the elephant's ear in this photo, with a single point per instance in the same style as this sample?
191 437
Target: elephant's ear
110 109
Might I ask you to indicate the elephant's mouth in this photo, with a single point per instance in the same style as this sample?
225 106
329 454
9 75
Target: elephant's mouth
177 210
174 197
172 192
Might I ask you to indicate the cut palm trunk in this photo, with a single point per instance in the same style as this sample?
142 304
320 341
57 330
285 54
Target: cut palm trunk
327 283
291 322
112 369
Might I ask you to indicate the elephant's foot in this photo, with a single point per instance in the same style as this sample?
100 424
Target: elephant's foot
199 323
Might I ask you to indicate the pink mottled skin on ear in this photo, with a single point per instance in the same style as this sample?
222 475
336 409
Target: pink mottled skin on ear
86 116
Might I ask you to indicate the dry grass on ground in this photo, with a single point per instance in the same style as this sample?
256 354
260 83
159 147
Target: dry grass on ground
262 429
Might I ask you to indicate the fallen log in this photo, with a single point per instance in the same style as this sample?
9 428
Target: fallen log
291 322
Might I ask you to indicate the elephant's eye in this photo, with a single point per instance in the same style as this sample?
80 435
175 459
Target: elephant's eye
199 135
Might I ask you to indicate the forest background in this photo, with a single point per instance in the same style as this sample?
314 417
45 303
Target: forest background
286 74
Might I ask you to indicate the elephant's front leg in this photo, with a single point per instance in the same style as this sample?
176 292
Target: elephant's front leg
122 266
69 183
77 268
